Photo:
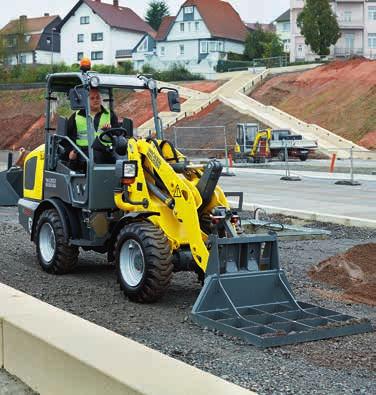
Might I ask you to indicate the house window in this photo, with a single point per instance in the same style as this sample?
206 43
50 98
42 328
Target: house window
181 49
84 20
163 51
23 59
97 55
48 40
347 16
188 10
203 47
96 36
197 26
286 27
182 27
211 46
27 38
372 13
80 55
80 38
12 42
144 46
372 40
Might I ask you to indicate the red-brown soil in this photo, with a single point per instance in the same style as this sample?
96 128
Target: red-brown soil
203 86
20 118
340 96
354 272
137 106
202 138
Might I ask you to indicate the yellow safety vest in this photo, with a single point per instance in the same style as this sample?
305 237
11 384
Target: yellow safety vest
82 138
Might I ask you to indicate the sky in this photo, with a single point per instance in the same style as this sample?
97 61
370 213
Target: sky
249 10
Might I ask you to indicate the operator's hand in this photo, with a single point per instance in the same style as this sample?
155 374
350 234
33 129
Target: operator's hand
72 155
106 126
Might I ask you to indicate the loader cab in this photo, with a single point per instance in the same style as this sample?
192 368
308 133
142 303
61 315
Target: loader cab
80 188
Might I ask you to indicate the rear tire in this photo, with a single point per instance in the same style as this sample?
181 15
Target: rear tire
144 262
54 254
281 156
303 158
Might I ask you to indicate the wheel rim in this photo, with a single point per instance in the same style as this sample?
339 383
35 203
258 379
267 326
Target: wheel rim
47 242
132 263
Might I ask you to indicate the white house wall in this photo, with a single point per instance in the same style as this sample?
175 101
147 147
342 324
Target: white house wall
232 46
45 57
113 39
176 34
121 39
172 50
69 45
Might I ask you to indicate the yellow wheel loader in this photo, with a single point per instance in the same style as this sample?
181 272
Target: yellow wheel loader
154 213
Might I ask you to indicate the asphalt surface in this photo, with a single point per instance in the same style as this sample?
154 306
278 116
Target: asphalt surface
319 195
338 366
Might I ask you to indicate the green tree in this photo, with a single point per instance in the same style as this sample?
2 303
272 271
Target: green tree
262 44
319 26
157 10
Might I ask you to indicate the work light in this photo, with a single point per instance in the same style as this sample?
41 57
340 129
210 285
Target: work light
130 169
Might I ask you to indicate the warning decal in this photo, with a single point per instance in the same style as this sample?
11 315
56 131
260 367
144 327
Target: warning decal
177 192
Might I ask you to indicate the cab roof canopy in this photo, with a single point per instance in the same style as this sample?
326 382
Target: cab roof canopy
63 82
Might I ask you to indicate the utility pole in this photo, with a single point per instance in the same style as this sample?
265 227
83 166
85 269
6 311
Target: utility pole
52 46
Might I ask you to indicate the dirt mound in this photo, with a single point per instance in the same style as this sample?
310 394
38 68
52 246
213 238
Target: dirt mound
369 140
203 86
353 271
339 96
198 141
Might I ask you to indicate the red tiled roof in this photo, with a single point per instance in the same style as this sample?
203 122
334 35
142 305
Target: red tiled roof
30 24
120 17
220 18
163 30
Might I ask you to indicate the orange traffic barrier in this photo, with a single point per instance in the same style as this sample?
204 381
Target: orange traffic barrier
333 162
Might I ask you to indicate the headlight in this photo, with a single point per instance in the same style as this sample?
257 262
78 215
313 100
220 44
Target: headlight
130 169
94 81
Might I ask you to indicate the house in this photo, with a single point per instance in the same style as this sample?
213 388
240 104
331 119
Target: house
202 33
31 40
283 29
266 27
106 33
357 21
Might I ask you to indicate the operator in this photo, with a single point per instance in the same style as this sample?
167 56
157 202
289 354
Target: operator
103 119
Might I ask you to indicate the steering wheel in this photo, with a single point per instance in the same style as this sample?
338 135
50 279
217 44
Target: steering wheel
110 133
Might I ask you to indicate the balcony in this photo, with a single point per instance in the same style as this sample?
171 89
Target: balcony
356 24
348 52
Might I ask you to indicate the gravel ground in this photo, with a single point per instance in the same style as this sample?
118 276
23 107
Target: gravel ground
10 385
338 366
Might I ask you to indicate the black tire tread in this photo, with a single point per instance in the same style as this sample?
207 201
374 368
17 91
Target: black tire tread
158 257
66 257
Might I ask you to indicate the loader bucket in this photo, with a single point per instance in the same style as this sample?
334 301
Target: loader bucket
247 295
10 186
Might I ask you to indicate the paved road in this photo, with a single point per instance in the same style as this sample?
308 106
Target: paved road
311 194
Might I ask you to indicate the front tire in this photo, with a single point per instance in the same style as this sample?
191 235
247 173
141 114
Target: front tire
144 262
54 254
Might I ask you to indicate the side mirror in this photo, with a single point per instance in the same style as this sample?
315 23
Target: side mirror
78 98
174 101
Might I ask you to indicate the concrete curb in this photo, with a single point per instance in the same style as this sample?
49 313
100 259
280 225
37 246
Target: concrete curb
312 216
55 352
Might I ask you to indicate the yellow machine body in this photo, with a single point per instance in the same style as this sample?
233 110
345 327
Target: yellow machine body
180 224
34 174
262 135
